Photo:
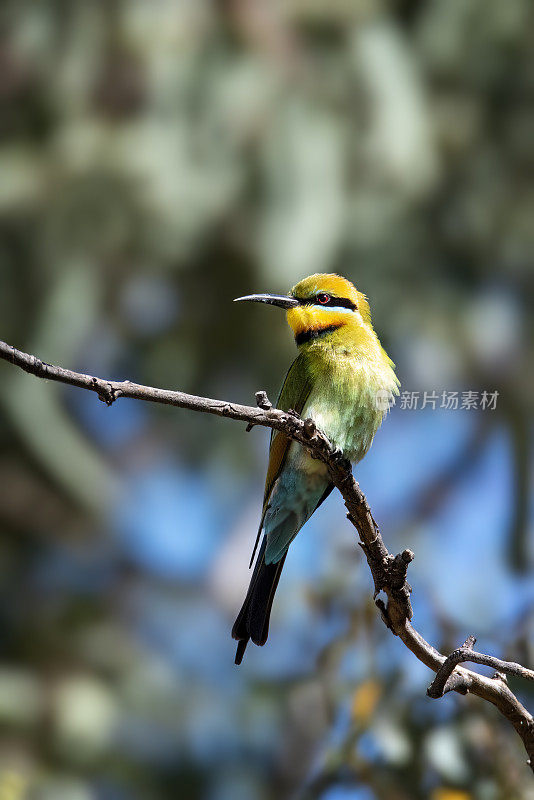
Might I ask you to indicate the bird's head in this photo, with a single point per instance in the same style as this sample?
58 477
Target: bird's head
320 306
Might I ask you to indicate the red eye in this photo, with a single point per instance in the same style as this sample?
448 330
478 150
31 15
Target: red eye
323 298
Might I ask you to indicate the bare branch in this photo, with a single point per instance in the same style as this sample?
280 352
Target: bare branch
388 571
442 682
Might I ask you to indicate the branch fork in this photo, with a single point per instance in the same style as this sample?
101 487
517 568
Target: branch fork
447 679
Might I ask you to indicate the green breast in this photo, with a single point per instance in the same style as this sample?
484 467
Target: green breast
343 401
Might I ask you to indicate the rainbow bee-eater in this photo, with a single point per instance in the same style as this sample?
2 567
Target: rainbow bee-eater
344 380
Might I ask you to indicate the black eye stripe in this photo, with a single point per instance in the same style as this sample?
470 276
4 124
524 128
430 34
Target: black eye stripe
339 302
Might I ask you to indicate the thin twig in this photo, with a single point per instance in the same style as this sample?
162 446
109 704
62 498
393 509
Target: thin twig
388 571
442 682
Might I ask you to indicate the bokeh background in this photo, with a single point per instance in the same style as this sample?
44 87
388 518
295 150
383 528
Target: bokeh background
158 159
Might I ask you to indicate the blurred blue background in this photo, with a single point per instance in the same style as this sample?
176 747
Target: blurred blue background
156 161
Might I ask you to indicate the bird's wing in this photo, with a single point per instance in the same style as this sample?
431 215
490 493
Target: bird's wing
293 395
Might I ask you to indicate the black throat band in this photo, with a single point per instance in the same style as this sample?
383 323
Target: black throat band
315 333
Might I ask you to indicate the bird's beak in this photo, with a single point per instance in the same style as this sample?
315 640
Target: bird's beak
281 300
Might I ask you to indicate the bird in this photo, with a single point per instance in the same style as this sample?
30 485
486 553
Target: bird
343 380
